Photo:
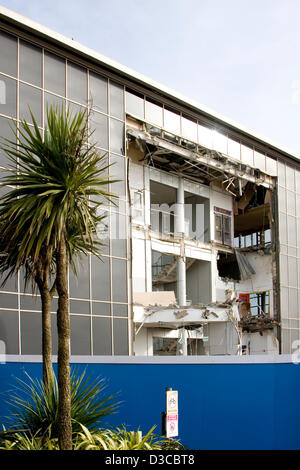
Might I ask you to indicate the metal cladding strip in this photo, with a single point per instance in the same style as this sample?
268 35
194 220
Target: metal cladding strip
175 360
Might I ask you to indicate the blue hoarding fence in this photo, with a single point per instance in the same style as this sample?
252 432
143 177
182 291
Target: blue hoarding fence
225 403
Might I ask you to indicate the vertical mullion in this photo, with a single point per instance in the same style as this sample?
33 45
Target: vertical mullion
43 91
91 305
66 84
128 233
17 146
90 256
110 246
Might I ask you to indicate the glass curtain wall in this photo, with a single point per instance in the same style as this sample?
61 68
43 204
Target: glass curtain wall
33 78
289 234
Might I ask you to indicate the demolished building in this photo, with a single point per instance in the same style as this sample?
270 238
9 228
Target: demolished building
202 248
206 235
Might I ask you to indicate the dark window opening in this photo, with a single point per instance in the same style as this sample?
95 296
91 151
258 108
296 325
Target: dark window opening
228 267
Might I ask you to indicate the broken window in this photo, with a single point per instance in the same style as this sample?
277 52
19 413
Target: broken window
223 231
255 239
256 303
259 303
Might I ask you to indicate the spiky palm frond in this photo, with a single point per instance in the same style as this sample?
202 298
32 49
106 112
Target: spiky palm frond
55 178
34 405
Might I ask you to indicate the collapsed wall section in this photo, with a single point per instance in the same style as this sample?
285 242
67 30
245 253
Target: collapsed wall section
228 258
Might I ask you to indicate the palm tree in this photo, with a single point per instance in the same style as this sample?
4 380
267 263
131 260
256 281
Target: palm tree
52 215
38 275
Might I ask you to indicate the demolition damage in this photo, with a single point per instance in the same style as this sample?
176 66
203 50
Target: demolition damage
203 259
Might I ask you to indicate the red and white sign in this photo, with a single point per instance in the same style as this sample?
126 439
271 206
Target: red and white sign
172 425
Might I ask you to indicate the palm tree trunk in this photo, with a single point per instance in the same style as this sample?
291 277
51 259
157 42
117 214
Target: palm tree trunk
46 335
63 359
42 280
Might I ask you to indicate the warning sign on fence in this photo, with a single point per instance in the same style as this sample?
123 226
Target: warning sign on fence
172 425
172 401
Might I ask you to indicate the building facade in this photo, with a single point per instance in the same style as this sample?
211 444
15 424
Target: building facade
202 251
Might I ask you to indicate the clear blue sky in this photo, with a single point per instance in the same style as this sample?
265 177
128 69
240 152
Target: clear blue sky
238 57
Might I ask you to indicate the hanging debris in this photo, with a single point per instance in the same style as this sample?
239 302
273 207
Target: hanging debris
246 270
255 323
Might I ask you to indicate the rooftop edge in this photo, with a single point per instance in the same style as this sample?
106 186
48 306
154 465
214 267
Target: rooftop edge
52 35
